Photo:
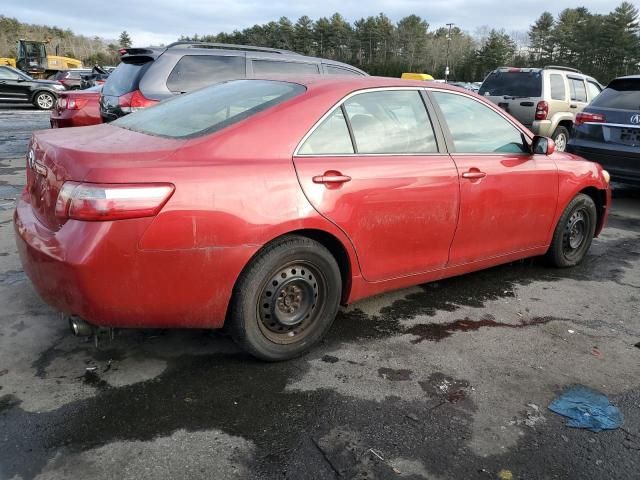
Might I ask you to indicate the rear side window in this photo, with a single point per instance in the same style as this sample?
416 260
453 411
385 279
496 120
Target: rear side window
513 84
331 137
593 89
333 70
197 71
578 90
558 91
623 93
476 128
209 109
264 67
390 122
124 79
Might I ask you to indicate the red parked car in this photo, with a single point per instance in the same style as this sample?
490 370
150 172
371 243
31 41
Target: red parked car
77 108
267 203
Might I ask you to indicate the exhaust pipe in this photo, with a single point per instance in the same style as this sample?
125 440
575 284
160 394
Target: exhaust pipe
80 328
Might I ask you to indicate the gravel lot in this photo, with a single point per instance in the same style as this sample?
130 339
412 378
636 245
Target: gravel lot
445 380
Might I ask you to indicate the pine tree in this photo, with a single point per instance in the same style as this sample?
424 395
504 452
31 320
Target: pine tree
124 40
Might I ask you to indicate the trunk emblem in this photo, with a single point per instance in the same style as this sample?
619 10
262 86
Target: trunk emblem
36 166
635 119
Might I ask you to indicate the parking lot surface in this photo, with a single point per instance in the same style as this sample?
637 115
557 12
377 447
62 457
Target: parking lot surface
446 380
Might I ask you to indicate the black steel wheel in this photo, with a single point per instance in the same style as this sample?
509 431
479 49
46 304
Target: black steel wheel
574 232
286 299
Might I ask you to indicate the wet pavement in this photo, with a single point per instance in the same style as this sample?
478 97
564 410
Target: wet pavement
445 380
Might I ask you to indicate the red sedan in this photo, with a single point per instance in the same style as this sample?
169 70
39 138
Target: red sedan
77 108
267 203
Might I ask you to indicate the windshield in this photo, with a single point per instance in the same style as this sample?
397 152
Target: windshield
209 109
124 79
623 93
512 84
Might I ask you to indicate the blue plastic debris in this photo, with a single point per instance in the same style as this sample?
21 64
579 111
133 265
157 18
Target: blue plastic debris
588 409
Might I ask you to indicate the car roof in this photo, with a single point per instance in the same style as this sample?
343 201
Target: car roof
346 84
627 77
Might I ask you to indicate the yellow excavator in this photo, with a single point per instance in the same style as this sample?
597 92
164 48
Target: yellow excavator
32 58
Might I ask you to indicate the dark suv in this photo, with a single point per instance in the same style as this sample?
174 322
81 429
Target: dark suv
607 131
18 87
149 75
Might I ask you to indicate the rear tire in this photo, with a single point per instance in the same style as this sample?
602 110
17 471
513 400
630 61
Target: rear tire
574 232
560 138
44 100
286 299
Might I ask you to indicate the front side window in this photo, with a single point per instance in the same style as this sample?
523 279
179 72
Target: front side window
578 90
558 91
392 122
7 74
210 109
476 128
196 71
331 137
267 67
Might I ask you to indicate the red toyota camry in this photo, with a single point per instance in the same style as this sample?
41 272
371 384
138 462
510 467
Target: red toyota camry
267 203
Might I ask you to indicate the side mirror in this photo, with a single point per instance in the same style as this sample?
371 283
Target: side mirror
543 145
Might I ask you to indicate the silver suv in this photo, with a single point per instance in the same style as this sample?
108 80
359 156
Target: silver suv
545 100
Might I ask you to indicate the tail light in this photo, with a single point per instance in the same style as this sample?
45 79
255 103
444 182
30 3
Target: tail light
132 101
115 201
587 117
76 103
542 110
61 104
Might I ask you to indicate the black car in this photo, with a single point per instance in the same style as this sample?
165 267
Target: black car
18 87
607 131
149 75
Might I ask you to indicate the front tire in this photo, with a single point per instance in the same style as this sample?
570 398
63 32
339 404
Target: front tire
574 232
44 100
560 138
286 299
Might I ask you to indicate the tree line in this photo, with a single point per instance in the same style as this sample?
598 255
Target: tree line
601 45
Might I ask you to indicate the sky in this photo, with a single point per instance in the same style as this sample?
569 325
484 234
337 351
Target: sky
163 21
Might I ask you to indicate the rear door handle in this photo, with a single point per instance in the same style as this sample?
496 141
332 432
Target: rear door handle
331 177
573 106
474 174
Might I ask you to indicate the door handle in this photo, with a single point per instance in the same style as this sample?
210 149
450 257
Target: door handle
573 106
331 177
474 174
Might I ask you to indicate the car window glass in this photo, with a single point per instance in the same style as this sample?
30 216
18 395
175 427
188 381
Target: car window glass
124 79
476 128
623 93
594 89
263 67
558 91
333 70
7 74
512 83
391 122
578 90
331 137
209 109
197 71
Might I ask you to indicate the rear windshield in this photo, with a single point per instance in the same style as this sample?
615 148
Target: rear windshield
623 93
210 109
512 84
124 79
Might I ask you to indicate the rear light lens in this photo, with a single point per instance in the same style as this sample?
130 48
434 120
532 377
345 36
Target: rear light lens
542 110
76 103
112 201
132 101
587 117
61 104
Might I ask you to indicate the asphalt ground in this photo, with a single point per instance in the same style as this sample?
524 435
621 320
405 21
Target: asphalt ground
448 380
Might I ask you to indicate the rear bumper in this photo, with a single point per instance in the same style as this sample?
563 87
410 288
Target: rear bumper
623 164
95 270
77 118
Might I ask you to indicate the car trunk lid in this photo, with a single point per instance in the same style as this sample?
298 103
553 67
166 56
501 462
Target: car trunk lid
57 156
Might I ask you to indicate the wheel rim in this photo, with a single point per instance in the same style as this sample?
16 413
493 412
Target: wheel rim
289 302
45 101
561 142
575 232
